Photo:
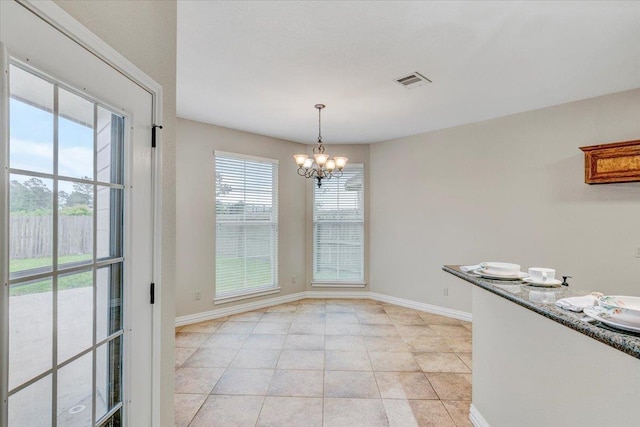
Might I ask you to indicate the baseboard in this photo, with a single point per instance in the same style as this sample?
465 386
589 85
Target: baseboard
476 418
429 308
237 309
268 302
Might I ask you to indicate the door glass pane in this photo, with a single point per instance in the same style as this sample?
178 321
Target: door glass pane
109 289
114 421
75 136
30 225
74 393
48 331
110 152
31 122
108 376
75 314
30 330
32 405
75 222
109 222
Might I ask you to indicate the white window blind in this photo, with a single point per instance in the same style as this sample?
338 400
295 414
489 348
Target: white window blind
338 228
246 225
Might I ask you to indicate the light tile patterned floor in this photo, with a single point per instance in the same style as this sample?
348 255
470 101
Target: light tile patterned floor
321 362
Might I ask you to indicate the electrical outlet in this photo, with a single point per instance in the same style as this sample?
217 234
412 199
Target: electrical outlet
637 252
293 280
445 292
197 295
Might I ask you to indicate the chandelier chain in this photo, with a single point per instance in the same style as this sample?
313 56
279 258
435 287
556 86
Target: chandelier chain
319 126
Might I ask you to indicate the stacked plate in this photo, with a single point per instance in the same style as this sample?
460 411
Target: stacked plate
622 312
500 271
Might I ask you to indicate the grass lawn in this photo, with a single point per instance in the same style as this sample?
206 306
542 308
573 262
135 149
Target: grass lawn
335 276
29 263
77 280
229 271
234 272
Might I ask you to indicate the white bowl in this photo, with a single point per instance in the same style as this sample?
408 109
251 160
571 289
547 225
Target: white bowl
623 308
500 268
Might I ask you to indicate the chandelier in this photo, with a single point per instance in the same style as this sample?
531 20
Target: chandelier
321 166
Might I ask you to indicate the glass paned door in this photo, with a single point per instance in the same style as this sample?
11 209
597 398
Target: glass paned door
66 265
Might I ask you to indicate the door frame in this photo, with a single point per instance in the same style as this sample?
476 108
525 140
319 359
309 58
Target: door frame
55 16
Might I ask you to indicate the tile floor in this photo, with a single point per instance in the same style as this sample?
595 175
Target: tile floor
321 362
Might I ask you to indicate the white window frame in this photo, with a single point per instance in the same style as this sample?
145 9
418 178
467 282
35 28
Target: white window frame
340 283
274 287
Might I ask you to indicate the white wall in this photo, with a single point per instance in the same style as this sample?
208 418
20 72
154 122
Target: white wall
508 189
529 371
145 33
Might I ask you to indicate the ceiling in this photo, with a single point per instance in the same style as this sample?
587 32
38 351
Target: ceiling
261 66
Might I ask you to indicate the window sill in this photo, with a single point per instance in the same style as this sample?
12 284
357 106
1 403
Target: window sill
251 294
338 284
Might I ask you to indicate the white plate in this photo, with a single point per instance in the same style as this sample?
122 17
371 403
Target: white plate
626 309
504 268
601 314
553 283
518 276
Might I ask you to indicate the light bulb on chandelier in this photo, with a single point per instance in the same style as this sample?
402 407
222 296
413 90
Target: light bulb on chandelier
321 166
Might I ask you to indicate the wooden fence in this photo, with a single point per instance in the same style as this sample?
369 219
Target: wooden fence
31 236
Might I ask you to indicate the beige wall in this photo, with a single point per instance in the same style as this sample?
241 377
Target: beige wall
196 208
145 33
509 189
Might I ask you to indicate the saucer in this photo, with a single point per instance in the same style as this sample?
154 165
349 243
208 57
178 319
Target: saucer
517 276
553 283
601 314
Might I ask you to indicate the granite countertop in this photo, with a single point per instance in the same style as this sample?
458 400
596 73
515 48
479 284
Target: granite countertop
521 294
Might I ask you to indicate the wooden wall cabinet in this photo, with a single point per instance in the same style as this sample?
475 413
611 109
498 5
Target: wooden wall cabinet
609 163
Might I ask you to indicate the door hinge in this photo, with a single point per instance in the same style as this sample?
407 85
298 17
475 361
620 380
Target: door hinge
153 135
152 293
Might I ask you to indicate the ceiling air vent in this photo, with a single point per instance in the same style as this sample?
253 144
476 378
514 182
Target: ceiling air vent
412 80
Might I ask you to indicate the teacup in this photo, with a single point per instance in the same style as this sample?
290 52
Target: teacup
541 274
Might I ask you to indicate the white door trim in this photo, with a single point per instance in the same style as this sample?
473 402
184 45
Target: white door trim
61 20
4 245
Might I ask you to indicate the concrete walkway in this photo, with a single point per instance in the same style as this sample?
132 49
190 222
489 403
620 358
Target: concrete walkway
30 354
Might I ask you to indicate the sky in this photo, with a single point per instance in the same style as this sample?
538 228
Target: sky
31 144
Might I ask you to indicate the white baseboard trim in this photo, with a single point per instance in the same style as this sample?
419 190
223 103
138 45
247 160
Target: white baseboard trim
236 309
268 302
476 418
429 308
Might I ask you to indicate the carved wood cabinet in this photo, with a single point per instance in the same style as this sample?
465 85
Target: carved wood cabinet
609 163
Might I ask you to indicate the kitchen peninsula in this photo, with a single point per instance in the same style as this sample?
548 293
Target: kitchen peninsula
535 364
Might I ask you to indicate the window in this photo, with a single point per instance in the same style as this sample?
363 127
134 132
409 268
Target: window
338 228
246 225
